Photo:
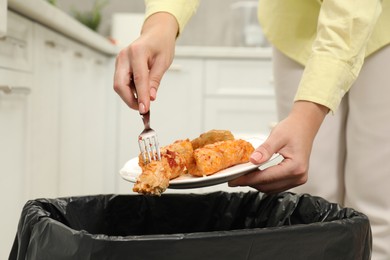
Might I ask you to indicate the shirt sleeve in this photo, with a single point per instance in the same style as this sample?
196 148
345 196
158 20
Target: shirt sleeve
338 52
182 10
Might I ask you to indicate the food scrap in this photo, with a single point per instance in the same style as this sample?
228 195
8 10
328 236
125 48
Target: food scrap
205 155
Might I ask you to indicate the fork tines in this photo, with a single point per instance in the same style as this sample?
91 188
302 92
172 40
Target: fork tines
149 147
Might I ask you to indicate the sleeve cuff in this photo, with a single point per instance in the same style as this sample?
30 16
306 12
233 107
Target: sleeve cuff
325 81
182 10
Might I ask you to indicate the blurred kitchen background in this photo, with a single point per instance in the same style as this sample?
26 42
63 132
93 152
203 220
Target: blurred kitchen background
65 132
216 23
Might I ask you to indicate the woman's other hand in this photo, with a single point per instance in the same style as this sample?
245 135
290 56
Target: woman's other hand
293 139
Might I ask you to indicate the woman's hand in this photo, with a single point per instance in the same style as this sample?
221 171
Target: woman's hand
293 139
146 60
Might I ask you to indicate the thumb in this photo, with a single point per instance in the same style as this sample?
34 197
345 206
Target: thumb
264 152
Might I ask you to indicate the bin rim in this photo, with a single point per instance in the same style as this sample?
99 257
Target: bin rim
47 220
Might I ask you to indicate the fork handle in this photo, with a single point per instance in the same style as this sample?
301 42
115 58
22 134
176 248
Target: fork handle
146 119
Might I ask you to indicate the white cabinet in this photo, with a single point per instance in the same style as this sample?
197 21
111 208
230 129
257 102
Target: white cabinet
86 126
179 106
239 95
3 18
242 115
16 46
45 100
239 77
14 144
71 128
15 88
57 120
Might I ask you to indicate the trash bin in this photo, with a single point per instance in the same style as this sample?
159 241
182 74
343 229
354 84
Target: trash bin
219 225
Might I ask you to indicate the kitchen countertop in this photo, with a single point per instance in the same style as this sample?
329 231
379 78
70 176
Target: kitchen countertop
44 13
223 52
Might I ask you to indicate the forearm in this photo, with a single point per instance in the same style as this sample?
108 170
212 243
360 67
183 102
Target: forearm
161 23
309 116
338 51
182 10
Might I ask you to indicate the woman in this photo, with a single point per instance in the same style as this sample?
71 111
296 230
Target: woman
320 48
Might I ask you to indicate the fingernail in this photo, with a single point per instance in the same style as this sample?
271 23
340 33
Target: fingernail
256 156
153 93
142 108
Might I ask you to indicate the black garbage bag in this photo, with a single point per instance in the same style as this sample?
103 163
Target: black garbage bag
213 226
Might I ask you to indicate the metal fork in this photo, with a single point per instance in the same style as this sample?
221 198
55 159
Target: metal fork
147 140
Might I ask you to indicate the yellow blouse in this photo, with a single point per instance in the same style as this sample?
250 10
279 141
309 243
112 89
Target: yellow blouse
330 37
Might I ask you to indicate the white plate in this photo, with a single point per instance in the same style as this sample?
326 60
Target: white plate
131 170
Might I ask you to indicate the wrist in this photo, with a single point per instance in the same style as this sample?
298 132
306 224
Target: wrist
310 114
161 22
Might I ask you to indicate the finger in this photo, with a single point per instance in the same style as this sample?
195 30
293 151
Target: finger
279 185
274 187
259 177
156 73
275 178
122 79
140 75
265 151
